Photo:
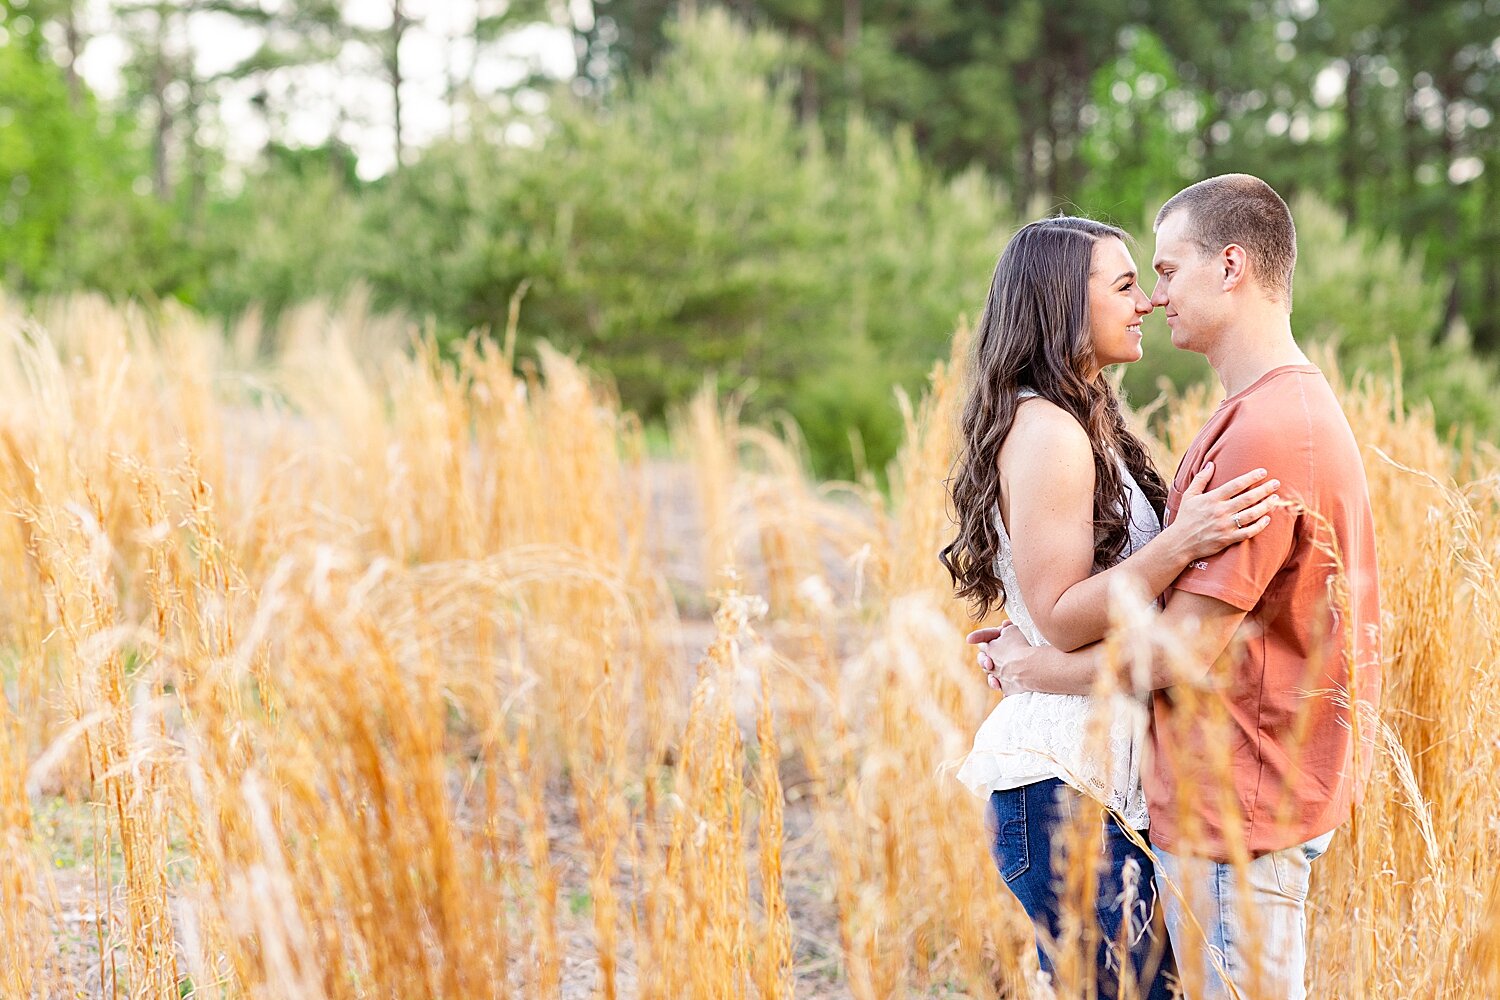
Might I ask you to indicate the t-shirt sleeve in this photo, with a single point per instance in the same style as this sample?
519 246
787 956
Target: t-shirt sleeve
1240 574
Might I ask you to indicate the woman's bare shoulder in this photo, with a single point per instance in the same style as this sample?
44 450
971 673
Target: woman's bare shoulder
1042 428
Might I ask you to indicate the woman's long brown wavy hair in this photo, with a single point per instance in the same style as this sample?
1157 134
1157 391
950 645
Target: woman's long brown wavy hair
1035 333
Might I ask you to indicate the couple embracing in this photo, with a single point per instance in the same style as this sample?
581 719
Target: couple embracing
1238 735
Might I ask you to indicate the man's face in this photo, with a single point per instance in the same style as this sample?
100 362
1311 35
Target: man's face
1189 287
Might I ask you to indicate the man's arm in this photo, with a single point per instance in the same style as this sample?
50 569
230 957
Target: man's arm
1186 639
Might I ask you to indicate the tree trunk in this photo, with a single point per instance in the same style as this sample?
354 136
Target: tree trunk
1077 92
197 167
1450 151
1351 152
853 18
1411 136
451 79
399 24
1487 329
73 43
1049 126
809 101
1025 168
1210 117
161 76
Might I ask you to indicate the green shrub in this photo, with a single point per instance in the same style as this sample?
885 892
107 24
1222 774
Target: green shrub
696 226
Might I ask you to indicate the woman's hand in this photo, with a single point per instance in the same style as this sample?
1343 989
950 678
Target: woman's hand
1207 523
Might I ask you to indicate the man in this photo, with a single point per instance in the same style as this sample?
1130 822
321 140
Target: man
1256 754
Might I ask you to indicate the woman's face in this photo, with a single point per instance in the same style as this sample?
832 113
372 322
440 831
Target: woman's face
1116 305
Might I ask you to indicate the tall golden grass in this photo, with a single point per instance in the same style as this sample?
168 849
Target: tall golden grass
365 673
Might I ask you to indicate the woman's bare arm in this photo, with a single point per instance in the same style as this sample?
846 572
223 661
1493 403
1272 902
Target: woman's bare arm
1047 476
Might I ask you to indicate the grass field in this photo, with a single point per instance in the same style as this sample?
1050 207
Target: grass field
336 670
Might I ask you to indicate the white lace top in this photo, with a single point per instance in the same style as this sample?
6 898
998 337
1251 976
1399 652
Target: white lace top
1034 737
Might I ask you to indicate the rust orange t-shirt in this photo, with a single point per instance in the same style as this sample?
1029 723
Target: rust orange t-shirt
1274 715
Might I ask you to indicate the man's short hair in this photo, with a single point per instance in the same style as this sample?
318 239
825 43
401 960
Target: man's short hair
1241 209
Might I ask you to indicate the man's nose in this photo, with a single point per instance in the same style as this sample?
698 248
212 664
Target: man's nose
1159 293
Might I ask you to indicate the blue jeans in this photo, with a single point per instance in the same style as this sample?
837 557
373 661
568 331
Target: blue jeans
1024 823
1255 927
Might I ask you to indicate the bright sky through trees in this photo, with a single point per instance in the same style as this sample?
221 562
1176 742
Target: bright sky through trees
348 96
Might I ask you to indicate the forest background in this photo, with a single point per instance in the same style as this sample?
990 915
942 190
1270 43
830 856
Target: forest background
802 199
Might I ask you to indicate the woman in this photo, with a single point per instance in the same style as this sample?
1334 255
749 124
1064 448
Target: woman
1058 503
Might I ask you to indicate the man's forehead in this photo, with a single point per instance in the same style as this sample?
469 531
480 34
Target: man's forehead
1169 239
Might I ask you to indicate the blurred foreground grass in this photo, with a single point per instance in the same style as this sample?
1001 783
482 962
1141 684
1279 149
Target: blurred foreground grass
353 673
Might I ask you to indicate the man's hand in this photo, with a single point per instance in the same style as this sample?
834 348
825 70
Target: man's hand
1188 637
1012 665
982 637
1008 654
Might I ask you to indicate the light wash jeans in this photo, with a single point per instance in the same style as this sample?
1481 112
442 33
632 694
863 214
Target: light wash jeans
1256 929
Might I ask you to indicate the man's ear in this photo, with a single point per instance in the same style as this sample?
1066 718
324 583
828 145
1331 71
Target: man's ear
1236 265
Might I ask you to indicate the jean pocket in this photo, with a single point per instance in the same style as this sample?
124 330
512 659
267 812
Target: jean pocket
1007 825
1293 872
